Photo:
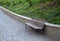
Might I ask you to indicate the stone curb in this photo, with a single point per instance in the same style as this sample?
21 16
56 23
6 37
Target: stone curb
26 18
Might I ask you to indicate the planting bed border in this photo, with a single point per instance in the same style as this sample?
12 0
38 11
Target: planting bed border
24 17
52 30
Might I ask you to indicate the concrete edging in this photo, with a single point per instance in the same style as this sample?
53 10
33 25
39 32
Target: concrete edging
14 15
26 18
52 30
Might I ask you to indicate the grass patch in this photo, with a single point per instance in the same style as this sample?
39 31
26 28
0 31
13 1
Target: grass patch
38 10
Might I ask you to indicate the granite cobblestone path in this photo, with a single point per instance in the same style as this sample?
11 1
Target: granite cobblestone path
14 30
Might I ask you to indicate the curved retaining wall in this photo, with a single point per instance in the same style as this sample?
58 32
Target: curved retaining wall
54 32
51 29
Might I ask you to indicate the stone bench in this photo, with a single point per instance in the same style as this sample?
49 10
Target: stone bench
35 24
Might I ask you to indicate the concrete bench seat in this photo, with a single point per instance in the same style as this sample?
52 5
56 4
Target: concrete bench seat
35 24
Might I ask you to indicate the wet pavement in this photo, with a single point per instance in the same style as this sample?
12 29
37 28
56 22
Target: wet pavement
14 30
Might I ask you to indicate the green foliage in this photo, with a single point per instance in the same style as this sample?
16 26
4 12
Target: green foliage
23 1
1 3
34 1
38 9
48 0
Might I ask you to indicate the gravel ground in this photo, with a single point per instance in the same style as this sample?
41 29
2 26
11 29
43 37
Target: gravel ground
14 30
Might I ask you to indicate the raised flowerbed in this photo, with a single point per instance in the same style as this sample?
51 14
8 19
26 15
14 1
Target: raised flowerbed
51 29
47 10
